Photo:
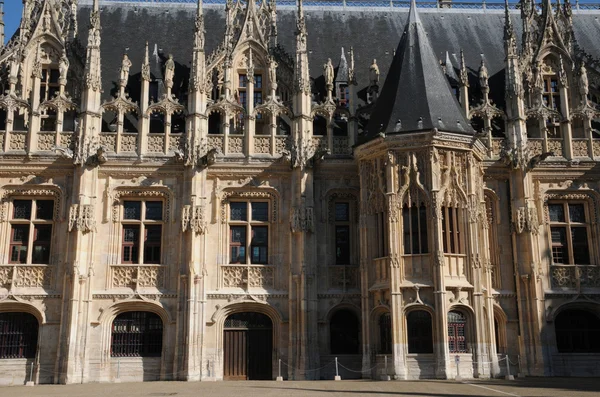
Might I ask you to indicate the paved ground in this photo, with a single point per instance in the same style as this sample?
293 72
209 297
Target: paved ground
531 387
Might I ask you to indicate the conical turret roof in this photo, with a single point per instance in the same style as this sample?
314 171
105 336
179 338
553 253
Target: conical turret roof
416 95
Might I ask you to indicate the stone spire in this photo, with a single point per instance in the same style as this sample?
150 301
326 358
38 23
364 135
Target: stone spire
416 95
93 60
464 84
1 23
513 75
510 39
198 68
302 73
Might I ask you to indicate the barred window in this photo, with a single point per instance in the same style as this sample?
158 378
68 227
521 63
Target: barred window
31 231
451 225
142 232
569 233
457 341
414 221
249 232
18 335
136 334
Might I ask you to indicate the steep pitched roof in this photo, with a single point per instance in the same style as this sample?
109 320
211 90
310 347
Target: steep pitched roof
416 95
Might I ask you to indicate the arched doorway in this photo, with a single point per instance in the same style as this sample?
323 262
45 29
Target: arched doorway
247 347
344 330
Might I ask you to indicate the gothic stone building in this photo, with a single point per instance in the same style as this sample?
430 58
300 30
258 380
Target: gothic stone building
197 191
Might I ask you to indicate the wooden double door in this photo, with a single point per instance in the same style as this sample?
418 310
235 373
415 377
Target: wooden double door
248 346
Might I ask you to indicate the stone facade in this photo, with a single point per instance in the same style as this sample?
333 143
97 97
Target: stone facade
187 201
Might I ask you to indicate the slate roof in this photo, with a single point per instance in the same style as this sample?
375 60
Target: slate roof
373 33
416 95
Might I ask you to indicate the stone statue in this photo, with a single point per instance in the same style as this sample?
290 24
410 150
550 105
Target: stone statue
483 75
539 79
169 71
14 69
47 19
584 88
125 65
374 73
63 68
272 71
328 73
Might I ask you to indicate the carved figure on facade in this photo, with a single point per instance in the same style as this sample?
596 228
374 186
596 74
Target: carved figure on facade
483 76
63 68
374 73
583 84
328 74
169 71
124 71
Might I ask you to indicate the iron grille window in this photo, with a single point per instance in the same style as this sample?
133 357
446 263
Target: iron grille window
451 230
414 220
31 231
136 334
342 233
385 334
142 232
457 341
420 334
18 335
249 219
569 233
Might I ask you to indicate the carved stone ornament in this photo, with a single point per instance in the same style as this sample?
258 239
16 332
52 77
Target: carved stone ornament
193 218
81 217
302 219
526 220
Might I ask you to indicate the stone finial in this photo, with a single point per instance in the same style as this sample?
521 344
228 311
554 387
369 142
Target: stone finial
146 65
351 71
464 74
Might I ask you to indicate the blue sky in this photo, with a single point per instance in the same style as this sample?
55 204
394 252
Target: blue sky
12 16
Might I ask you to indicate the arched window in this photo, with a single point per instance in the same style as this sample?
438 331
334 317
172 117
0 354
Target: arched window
420 333
577 331
451 230
457 341
344 333
414 221
136 334
18 335
385 334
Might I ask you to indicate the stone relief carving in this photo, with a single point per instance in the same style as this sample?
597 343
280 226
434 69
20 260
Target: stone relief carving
81 217
301 219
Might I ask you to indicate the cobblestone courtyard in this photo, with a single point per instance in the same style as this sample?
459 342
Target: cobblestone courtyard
535 387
